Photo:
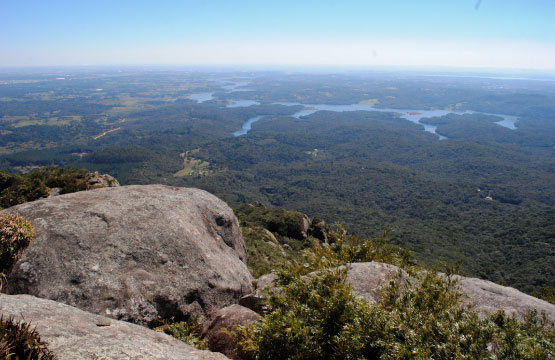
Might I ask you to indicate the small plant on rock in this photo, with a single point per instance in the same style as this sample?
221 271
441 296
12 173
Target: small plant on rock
15 235
19 341
189 331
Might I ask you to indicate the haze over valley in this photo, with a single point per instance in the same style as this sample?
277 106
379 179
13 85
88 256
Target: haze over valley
466 174
329 180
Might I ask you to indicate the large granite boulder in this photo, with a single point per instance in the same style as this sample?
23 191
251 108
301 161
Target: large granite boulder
75 334
134 253
488 297
482 295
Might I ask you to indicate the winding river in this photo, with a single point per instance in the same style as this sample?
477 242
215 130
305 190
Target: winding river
413 115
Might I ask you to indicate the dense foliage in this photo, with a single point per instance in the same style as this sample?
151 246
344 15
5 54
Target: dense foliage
432 195
15 235
316 316
16 189
189 331
18 340
286 223
546 293
272 236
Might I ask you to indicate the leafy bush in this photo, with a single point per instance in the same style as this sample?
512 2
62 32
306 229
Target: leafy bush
15 235
19 341
17 189
315 315
188 331
305 321
264 251
280 221
67 179
344 248
546 293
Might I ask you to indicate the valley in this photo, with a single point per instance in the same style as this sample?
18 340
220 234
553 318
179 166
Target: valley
357 148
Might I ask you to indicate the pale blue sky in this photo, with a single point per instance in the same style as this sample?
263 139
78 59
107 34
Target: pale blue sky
500 33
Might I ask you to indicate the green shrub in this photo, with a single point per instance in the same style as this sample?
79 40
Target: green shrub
67 179
546 293
264 250
17 189
19 341
316 316
344 249
188 331
280 221
305 321
15 235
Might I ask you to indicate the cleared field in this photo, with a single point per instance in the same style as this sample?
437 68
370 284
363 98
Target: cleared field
192 166
21 121
371 102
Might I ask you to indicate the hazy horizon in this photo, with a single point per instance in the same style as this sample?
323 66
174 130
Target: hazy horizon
468 34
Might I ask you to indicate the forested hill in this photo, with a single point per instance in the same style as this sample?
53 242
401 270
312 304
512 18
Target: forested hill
489 205
484 196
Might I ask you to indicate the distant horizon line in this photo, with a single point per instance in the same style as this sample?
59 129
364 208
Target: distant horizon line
290 67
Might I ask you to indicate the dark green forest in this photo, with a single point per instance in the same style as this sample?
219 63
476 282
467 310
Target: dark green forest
485 196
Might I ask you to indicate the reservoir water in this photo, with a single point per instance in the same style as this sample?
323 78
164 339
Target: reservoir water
202 97
413 115
246 127
242 103
233 86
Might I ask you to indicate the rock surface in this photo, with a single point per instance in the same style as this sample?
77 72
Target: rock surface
487 297
224 321
75 334
134 252
482 295
253 300
366 278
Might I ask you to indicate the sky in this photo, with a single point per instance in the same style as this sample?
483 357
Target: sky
506 34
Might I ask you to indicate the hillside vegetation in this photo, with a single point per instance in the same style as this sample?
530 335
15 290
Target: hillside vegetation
313 314
484 196
16 189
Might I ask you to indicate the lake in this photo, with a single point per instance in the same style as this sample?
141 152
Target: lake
412 115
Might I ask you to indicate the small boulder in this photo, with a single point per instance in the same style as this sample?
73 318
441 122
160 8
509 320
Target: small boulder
219 332
97 181
366 278
74 334
319 229
266 281
252 301
134 253
305 226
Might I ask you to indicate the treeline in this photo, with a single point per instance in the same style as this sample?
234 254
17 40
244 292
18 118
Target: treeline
18 189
